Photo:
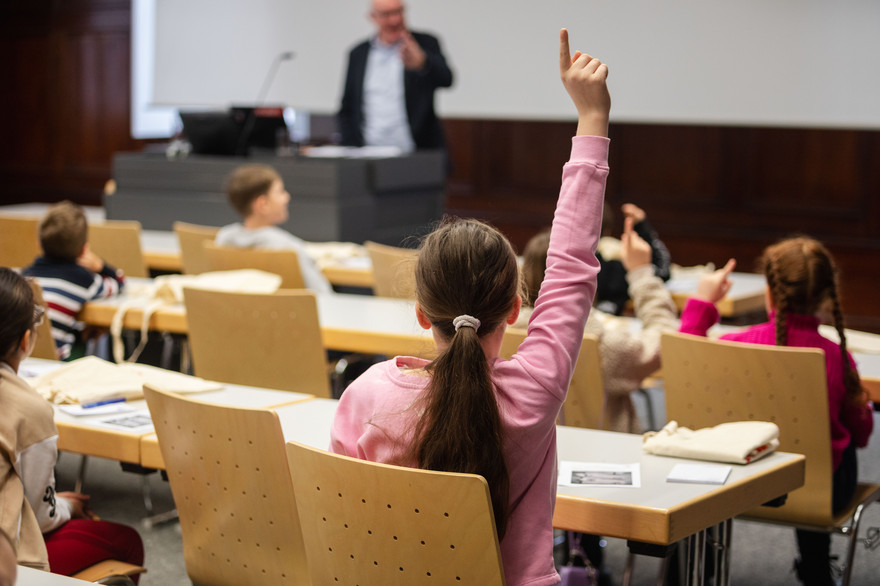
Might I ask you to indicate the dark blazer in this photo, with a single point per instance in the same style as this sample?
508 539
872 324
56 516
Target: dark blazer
419 87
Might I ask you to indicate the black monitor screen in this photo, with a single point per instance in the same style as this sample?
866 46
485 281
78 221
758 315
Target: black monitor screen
233 132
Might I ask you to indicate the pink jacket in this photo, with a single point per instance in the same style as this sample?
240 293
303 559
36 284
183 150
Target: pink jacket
848 422
375 417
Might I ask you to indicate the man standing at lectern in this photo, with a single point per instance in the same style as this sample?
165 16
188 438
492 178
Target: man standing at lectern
388 98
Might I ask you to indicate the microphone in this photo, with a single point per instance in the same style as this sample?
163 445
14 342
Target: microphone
248 128
273 70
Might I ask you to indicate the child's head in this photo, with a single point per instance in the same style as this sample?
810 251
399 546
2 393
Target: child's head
257 190
64 231
535 263
20 312
465 270
466 267
801 277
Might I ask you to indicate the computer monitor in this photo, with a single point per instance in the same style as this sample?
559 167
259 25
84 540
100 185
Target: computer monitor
260 125
233 132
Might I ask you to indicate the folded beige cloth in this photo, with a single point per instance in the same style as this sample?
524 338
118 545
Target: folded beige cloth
90 379
739 442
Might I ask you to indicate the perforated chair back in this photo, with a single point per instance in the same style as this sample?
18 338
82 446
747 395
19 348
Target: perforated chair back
44 347
191 238
708 382
263 340
19 241
284 263
118 242
374 524
393 270
228 474
585 404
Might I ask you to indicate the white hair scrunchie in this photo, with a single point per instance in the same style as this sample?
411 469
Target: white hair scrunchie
466 321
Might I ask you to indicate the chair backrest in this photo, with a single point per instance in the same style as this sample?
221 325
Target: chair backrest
393 270
262 340
708 382
231 485
585 404
191 238
284 263
375 524
45 344
19 241
119 243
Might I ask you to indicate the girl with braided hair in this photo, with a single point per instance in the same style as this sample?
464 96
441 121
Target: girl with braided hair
802 280
469 410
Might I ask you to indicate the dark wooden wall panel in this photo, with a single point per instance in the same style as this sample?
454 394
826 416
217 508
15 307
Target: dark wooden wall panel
66 95
712 191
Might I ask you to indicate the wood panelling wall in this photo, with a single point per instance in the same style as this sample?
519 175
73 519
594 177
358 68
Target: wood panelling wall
65 97
712 192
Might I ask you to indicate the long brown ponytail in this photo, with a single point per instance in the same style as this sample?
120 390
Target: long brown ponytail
465 267
802 275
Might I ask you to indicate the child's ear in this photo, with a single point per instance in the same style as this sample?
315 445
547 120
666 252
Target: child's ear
422 318
259 204
24 346
514 313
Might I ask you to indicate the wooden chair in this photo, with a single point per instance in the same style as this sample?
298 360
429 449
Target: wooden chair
229 478
191 238
112 572
19 241
119 243
374 524
45 344
271 341
284 263
585 404
393 270
709 382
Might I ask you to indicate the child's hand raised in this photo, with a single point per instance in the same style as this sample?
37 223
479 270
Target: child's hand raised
715 285
634 251
584 80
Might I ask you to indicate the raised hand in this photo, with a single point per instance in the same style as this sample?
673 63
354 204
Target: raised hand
584 79
633 211
411 53
715 285
634 250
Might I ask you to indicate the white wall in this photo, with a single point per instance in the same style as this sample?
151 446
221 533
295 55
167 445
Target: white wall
811 63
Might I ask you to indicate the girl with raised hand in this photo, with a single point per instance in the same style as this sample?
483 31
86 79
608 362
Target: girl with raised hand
802 280
469 410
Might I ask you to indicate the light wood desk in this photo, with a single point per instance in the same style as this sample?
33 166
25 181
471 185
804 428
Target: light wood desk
92 436
162 252
657 513
349 323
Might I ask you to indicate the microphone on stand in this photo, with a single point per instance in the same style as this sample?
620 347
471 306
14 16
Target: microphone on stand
264 90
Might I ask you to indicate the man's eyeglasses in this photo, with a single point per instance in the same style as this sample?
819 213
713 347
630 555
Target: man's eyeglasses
382 14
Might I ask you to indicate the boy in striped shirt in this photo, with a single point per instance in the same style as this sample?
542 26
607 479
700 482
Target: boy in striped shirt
69 273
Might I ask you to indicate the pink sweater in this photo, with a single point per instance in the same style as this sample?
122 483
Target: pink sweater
848 421
374 420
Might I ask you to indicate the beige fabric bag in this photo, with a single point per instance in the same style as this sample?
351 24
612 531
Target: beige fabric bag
738 442
91 379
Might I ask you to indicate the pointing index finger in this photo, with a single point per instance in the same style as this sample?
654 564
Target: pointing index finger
564 51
